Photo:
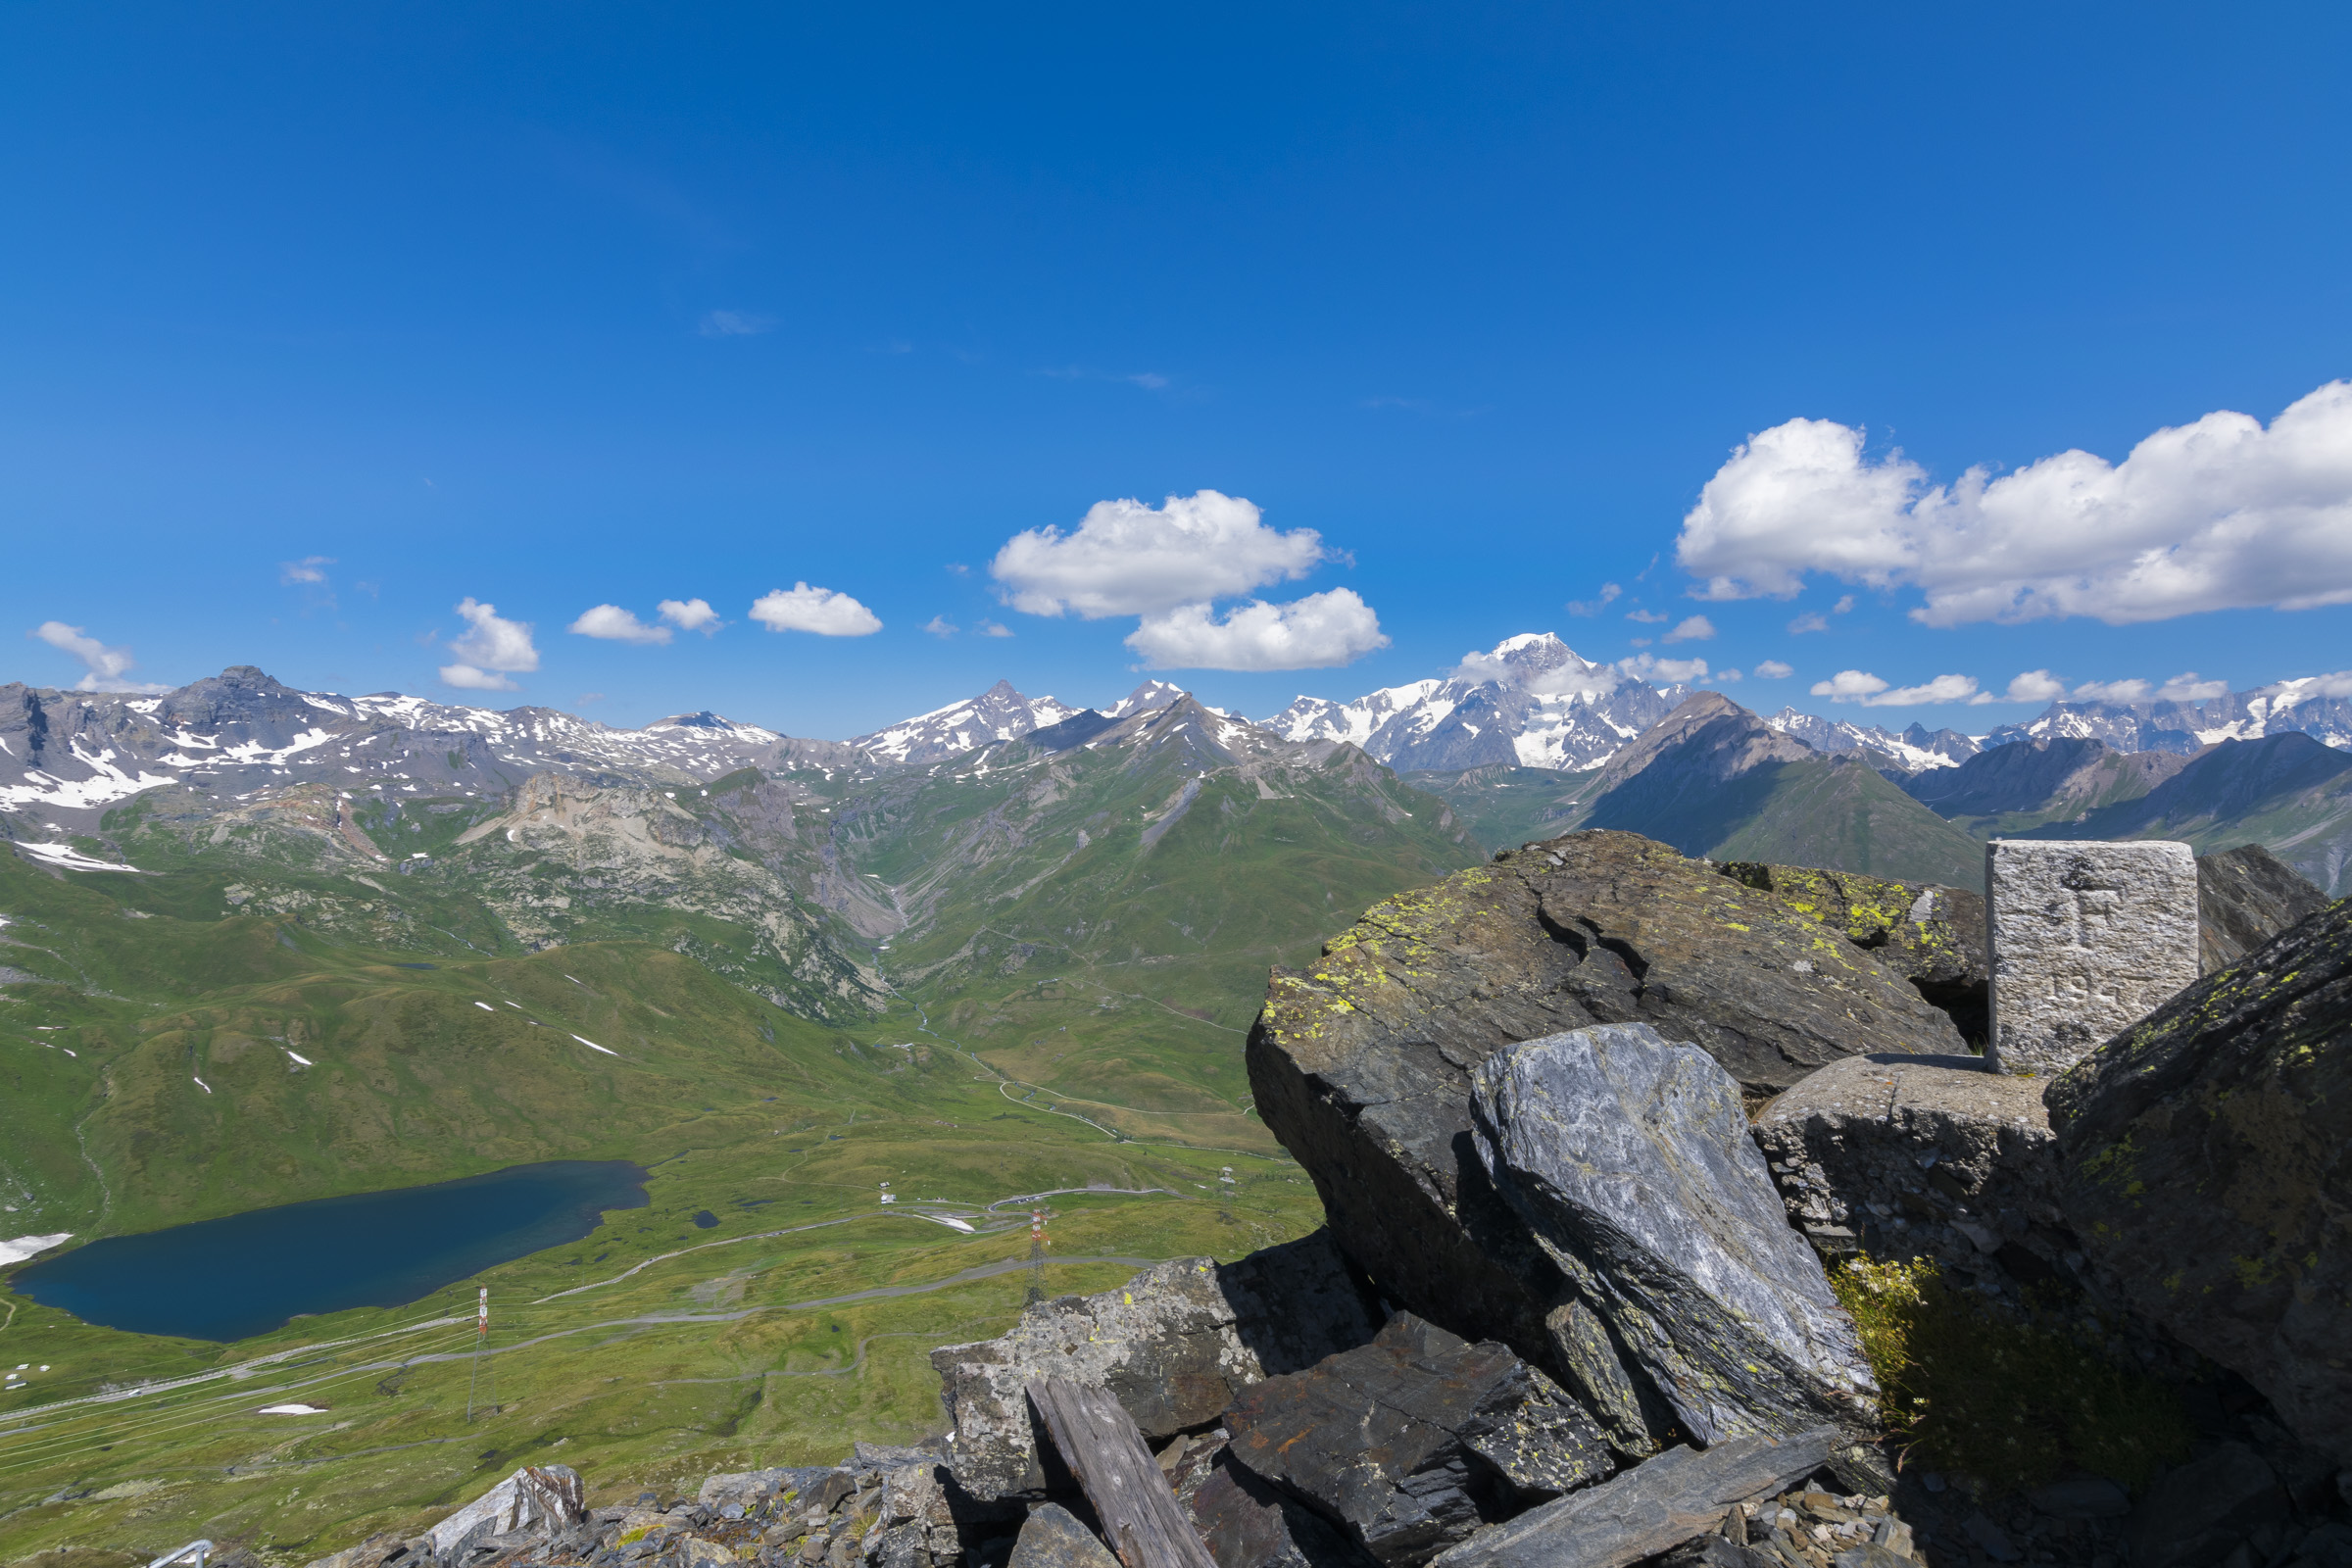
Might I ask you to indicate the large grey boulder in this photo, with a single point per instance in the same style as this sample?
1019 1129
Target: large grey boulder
1413 1442
1174 1346
2206 1168
1903 1157
1629 1160
1654 1508
1361 1060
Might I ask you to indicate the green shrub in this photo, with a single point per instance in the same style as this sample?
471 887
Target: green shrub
2014 1396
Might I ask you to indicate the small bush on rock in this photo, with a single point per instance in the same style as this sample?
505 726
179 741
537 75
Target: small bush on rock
2014 1397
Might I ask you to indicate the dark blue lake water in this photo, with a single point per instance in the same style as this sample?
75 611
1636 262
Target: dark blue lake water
223 1279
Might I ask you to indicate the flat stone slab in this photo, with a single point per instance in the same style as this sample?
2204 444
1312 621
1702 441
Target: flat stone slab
1654 1508
1629 1161
1413 1442
2087 939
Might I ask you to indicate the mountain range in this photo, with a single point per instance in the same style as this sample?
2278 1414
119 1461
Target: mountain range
259 945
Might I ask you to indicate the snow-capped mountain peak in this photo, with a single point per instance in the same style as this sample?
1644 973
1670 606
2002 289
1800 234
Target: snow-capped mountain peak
998 714
1530 701
1915 749
1150 697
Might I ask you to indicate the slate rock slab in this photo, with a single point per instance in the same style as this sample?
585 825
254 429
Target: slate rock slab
1174 1346
1361 1062
2206 1161
1413 1442
1053 1538
1629 1159
1655 1506
1246 1522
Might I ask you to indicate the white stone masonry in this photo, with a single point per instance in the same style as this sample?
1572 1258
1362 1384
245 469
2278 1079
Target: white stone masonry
2086 938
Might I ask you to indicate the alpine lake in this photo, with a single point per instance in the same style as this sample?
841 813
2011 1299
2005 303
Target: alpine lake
245 1274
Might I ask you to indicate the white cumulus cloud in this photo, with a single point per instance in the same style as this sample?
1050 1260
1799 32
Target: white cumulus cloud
1810 620
1312 633
690 615
104 666
2219 513
1663 671
1127 559
614 624
990 628
1696 629
822 610
1593 606
1774 669
2035 686
306 571
1860 686
941 626
491 648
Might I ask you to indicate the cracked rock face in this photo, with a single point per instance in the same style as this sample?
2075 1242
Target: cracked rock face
1629 1159
1361 1062
2206 1167
1174 1346
1413 1442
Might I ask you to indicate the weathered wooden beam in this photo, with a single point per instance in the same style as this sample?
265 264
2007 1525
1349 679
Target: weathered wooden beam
1098 1442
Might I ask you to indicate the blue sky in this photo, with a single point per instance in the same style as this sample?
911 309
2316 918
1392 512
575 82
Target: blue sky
547 307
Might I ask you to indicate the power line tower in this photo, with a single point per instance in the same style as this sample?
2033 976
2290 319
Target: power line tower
1037 1255
481 1337
1225 1196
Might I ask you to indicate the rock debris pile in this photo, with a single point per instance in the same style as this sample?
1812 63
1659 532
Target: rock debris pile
1591 1125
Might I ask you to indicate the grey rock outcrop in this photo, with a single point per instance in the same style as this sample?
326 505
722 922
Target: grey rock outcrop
1174 1346
2245 897
1629 1160
2206 1167
1412 1441
1681 1495
1361 1062
1899 1156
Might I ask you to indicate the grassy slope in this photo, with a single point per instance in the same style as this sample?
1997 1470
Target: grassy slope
1507 807
1104 1007
414 1082
1841 816
1123 973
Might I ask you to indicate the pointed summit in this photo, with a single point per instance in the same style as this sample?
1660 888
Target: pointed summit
998 714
